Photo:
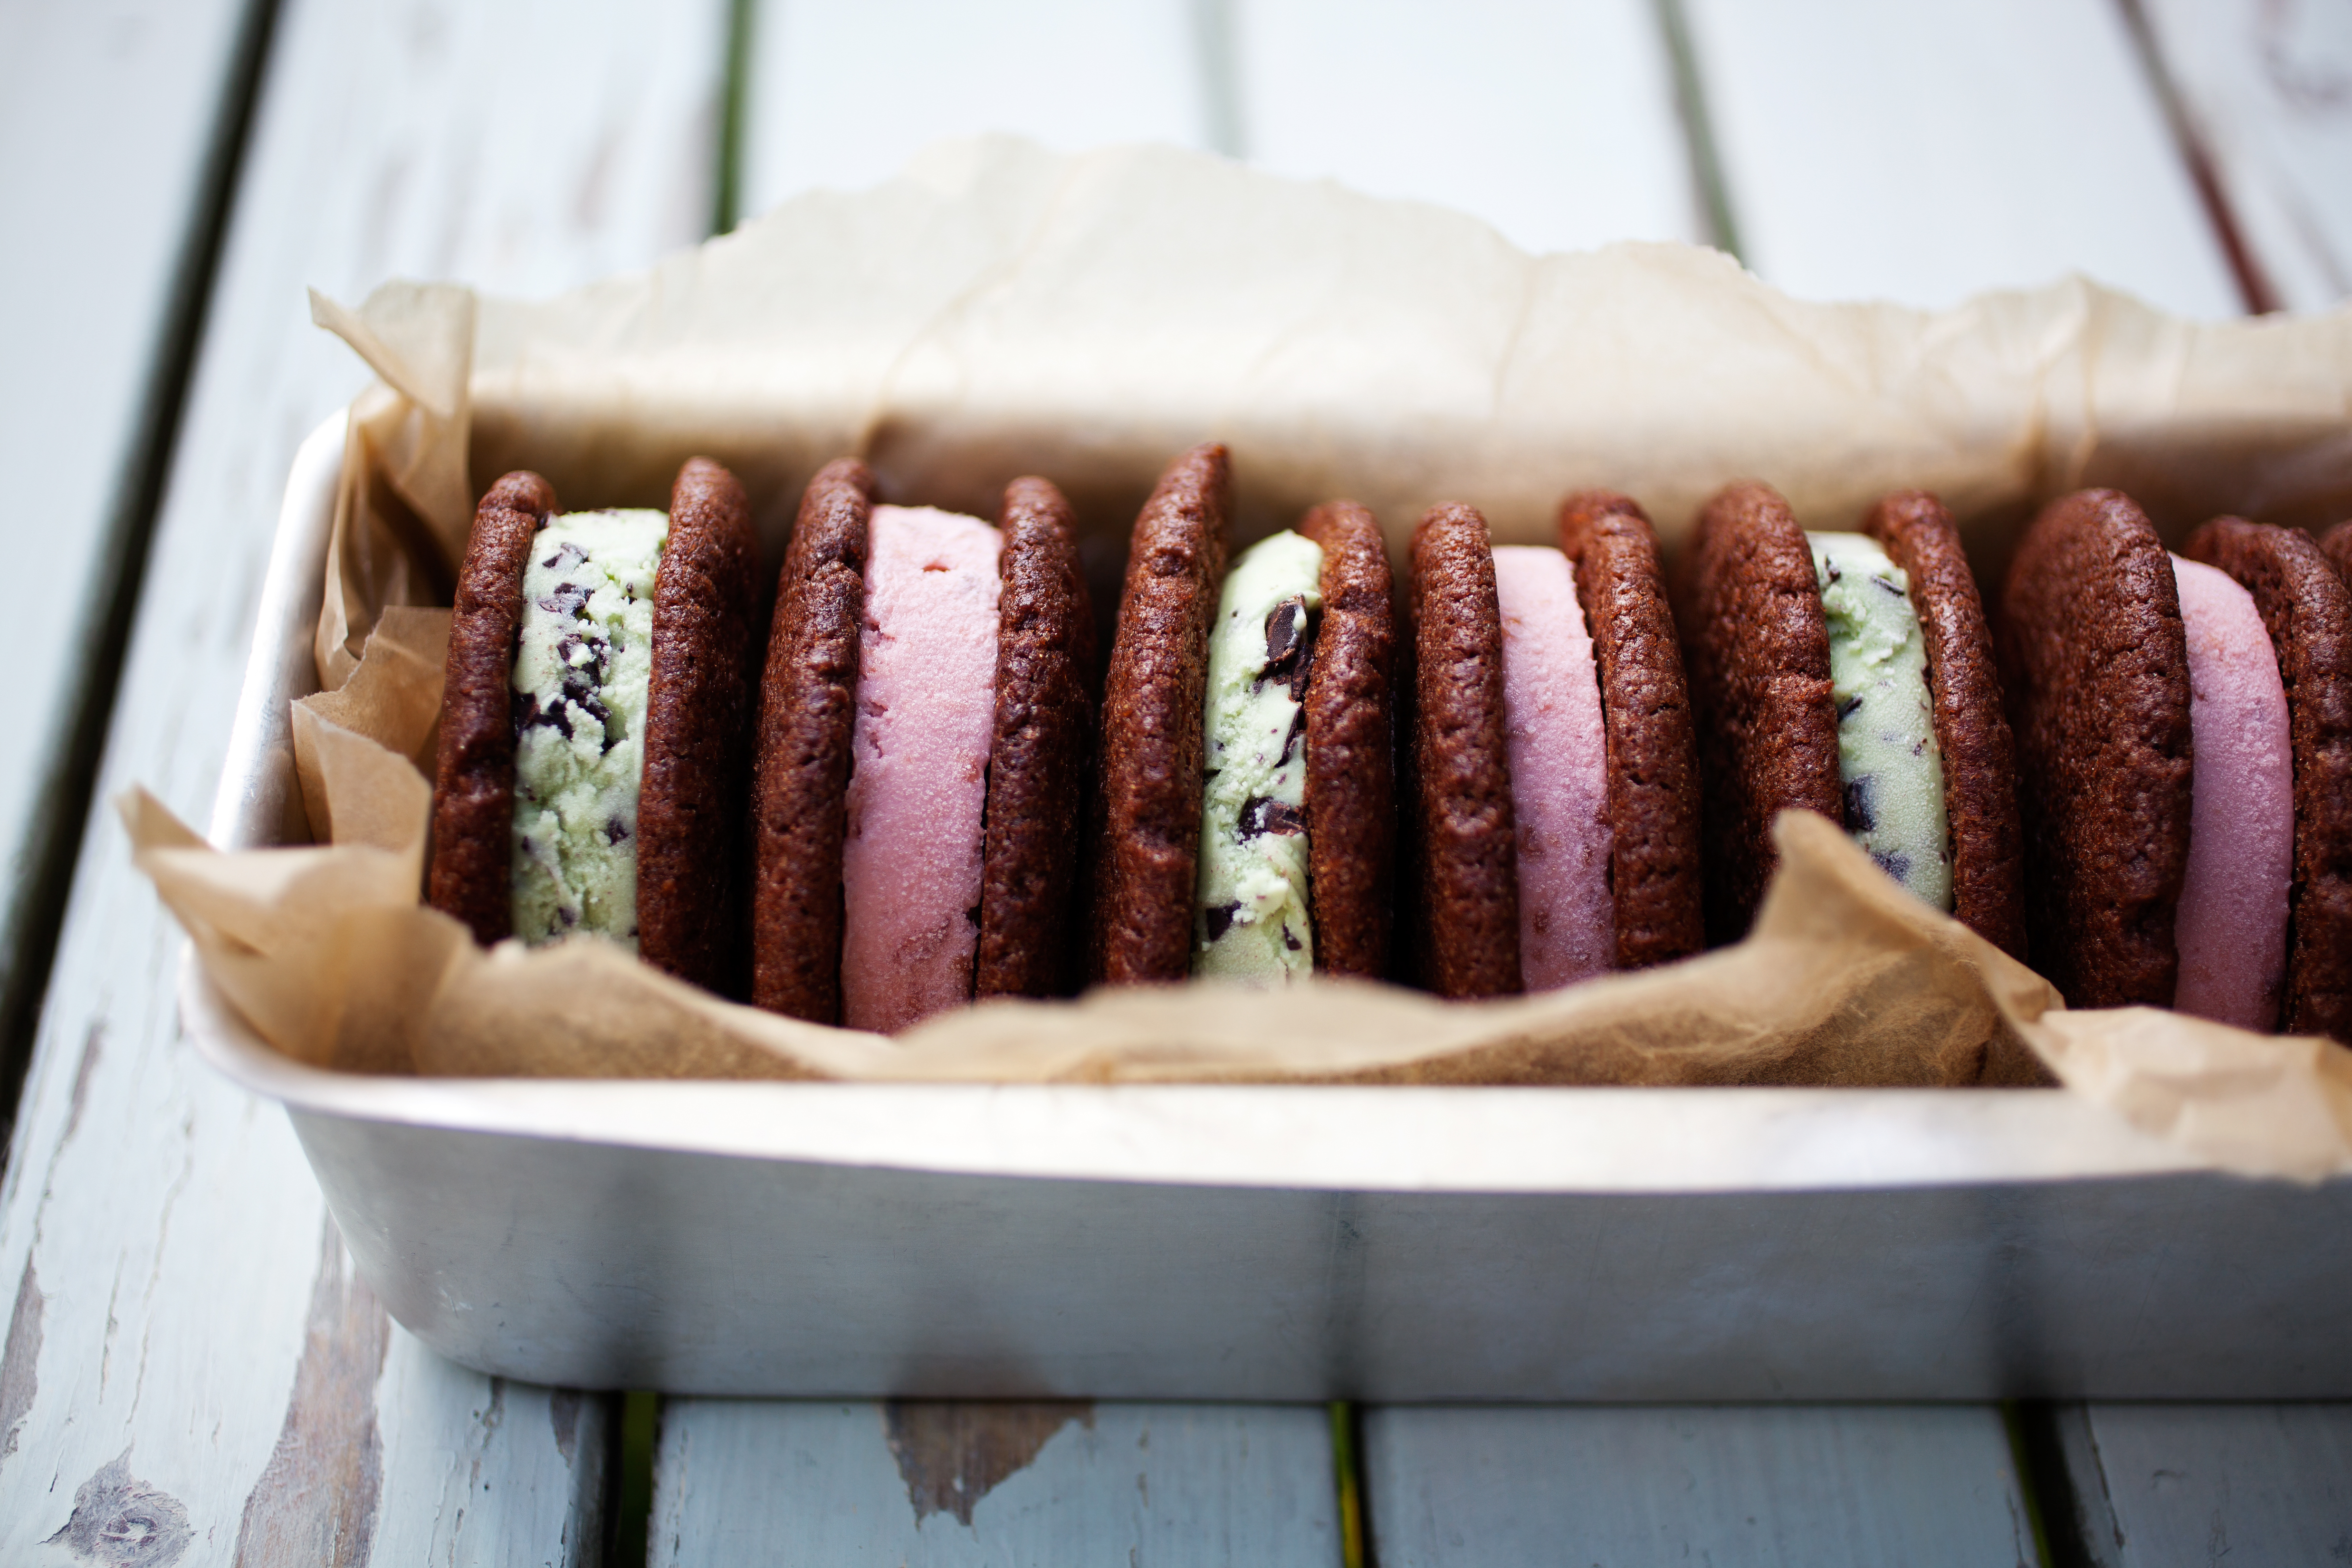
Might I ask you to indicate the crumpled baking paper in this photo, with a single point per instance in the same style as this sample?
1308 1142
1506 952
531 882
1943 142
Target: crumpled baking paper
999 310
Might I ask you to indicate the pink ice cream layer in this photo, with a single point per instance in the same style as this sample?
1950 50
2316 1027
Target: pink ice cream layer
919 774
2231 926
1560 770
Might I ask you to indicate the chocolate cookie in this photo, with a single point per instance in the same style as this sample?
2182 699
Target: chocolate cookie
2094 664
1030 879
1467 906
1758 655
1147 860
807 707
2307 611
1654 796
2335 544
697 708
474 773
1350 801
1971 730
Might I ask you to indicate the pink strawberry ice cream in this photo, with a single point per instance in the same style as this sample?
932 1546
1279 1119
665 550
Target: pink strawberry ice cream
2232 927
919 770
1560 770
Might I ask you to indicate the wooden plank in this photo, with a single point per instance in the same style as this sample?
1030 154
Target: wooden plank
110 116
1821 1485
1556 124
931 1485
2152 1486
185 1335
2267 93
1922 153
841 93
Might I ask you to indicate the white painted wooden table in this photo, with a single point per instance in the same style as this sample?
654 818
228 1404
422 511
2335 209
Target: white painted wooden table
191 1373
188 1360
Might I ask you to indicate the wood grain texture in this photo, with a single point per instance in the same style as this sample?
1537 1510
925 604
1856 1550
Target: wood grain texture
934 1485
192 1315
1555 123
1825 1485
2267 91
1922 153
2155 1485
841 93
109 113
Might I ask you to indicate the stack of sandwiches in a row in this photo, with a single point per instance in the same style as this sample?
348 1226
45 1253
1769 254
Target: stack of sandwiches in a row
1516 768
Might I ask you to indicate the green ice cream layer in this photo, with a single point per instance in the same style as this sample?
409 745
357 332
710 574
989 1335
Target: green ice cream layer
583 665
1250 917
1887 757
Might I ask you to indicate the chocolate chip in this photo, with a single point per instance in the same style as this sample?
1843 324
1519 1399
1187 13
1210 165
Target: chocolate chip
528 712
1861 804
615 830
569 599
1282 630
1298 733
1846 707
1290 941
1835 575
1219 918
1264 814
1289 647
1894 864
580 691
1889 586
565 554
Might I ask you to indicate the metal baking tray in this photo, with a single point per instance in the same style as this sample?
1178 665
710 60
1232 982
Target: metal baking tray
1273 1242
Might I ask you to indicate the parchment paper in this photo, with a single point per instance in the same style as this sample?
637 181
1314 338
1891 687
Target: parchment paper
1000 311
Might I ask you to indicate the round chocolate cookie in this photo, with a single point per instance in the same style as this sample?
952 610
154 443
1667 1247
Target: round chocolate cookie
1030 879
1758 654
1147 861
1350 789
2336 545
2307 611
2094 665
1467 904
698 708
474 771
1653 808
808 704
1971 731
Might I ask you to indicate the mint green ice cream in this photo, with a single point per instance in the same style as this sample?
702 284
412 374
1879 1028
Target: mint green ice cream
582 666
1250 916
1887 757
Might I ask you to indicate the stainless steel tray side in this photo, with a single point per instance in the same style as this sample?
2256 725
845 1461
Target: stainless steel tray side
1240 1242
604 1265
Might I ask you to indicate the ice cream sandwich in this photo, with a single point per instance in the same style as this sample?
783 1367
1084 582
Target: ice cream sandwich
590 776
2307 613
1851 675
1247 799
2155 752
921 757
1553 801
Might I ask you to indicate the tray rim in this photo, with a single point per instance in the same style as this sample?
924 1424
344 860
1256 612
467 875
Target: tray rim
1297 1137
